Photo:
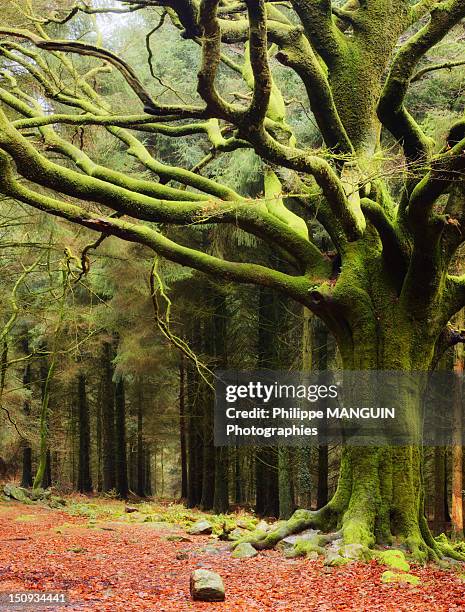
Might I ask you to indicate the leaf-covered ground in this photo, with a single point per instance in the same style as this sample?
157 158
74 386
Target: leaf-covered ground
110 561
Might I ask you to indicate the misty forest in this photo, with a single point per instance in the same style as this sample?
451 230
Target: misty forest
191 186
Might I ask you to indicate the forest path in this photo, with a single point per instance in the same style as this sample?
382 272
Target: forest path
116 566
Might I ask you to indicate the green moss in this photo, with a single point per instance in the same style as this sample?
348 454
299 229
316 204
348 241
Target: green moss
338 561
391 577
442 539
393 558
276 106
24 518
275 205
302 548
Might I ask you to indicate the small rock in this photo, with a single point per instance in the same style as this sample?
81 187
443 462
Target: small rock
206 586
177 538
334 559
244 551
181 556
290 541
38 494
248 525
235 534
210 550
78 549
355 552
262 526
201 528
312 555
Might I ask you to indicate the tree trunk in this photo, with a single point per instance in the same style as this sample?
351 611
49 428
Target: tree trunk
238 478
84 484
380 490
320 332
47 476
221 454
286 498
266 459
457 450
98 435
194 420
440 490
148 471
212 338
43 477
182 425
267 484
26 476
304 453
108 421
140 470
221 497
120 439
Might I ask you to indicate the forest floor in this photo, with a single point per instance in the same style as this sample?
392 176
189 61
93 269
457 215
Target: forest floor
109 561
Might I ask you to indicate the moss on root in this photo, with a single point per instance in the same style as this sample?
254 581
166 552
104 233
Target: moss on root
393 558
389 577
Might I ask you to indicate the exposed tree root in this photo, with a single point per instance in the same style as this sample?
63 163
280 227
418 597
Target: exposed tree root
353 529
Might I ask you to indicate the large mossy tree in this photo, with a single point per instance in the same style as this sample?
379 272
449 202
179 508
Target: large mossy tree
386 290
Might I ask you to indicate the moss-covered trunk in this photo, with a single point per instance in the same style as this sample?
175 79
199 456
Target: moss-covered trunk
379 497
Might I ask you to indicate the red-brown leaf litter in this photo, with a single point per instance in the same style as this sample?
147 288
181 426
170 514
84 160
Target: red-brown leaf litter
130 567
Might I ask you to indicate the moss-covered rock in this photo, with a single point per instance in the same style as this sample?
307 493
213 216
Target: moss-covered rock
206 586
334 559
308 544
235 534
355 552
262 526
388 577
393 558
177 538
305 548
19 493
246 523
202 527
244 551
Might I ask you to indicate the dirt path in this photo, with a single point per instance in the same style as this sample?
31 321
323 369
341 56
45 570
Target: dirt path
117 567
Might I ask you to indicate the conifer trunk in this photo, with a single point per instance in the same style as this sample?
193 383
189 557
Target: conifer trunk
120 439
108 421
84 474
182 425
26 476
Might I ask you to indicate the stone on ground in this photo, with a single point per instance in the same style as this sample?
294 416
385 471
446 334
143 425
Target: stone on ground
262 526
202 527
244 551
18 493
288 543
393 558
206 586
334 559
355 552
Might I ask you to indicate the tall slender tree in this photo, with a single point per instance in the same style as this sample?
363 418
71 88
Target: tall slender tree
120 439
84 483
